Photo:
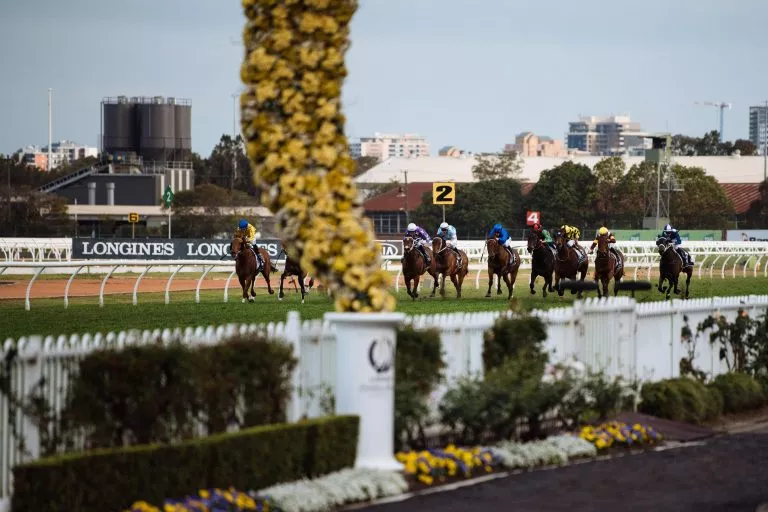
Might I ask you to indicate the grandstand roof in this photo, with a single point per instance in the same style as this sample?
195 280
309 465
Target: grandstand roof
725 169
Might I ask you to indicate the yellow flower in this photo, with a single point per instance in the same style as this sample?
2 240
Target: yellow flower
426 479
310 83
266 91
281 39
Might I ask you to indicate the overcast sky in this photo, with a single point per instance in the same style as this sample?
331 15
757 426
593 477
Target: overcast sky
469 73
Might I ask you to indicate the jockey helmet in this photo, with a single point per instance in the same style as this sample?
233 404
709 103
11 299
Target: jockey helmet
497 227
411 227
668 227
243 224
444 225
603 230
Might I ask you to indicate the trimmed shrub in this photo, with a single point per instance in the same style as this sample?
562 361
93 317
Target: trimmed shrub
112 479
740 392
157 393
681 399
418 370
519 336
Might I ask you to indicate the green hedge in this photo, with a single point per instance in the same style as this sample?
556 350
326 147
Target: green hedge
740 392
686 399
157 393
112 479
681 399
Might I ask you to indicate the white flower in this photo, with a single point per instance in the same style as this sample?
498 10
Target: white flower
333 490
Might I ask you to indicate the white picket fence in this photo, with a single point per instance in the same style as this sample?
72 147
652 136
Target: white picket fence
618 335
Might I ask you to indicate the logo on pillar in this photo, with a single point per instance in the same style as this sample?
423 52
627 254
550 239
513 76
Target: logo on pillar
381 355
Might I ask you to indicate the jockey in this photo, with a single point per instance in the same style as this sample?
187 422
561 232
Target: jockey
420 238
611 242
544 235
572 235
448 234
673 236
504 239
246 230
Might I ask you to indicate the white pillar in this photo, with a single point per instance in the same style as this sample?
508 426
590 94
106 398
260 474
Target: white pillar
293 337
365 381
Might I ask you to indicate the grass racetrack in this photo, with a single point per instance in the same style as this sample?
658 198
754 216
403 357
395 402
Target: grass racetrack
48 315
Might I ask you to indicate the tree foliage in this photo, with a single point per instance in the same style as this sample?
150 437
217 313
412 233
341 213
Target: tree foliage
566 194
702 204
505 165
709 145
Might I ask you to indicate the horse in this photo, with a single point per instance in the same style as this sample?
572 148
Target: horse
414 266
670 266
568 264
446 264
499 264
292 268
247 266
607 267
543 263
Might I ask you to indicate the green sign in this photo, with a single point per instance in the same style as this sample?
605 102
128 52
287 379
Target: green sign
168 196
649 235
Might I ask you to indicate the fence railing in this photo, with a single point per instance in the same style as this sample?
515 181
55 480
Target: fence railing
637 341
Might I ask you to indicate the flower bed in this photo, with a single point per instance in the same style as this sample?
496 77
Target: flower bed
422 469
430 466
212 500
616 434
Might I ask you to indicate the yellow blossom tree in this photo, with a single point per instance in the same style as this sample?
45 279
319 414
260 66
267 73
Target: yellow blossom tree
294 130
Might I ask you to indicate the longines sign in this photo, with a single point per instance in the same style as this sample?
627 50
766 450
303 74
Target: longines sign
182 249
161 249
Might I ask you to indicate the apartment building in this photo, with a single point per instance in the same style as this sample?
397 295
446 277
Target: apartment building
390 145
758 126
530 144
604 136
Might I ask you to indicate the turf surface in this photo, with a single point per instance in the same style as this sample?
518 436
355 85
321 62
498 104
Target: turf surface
48 316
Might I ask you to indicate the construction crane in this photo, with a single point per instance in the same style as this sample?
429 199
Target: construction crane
722 106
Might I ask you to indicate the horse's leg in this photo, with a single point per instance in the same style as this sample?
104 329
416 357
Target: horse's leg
456 284
244 286
265 272
616 281
442 284
533 280
434 282
688 282
416 287
301 285
661 281
490 281
509 281
280 293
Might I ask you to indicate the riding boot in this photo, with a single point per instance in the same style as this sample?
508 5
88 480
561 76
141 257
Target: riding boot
424 253
458 254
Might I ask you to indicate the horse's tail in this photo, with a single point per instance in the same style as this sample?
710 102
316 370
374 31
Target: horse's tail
311 282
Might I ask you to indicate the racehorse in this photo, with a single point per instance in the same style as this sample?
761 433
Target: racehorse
446 264
670 266
292 268
543 263
607 267
499 264
414 267
247 266
568 264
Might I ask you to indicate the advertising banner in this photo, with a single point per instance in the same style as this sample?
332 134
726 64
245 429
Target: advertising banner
183 249
747 235
161 249
649 235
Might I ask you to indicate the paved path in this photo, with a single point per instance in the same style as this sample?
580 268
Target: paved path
728 473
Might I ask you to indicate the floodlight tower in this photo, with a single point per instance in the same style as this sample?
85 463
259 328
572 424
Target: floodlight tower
722 106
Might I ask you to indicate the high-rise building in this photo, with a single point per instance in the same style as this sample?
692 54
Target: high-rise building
530 144
758 126
64 151
389 145
614 135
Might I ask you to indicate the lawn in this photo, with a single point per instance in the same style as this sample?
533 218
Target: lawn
48 316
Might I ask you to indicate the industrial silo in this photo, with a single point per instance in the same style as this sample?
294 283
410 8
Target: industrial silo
183 128
119 126
157 138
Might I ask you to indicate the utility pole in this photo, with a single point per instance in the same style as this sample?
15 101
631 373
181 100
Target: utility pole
50 101
407 212
765 141
234 140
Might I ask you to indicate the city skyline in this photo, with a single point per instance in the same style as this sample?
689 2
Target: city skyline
430 67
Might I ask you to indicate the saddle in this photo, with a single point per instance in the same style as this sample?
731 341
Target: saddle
259 261
512 256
